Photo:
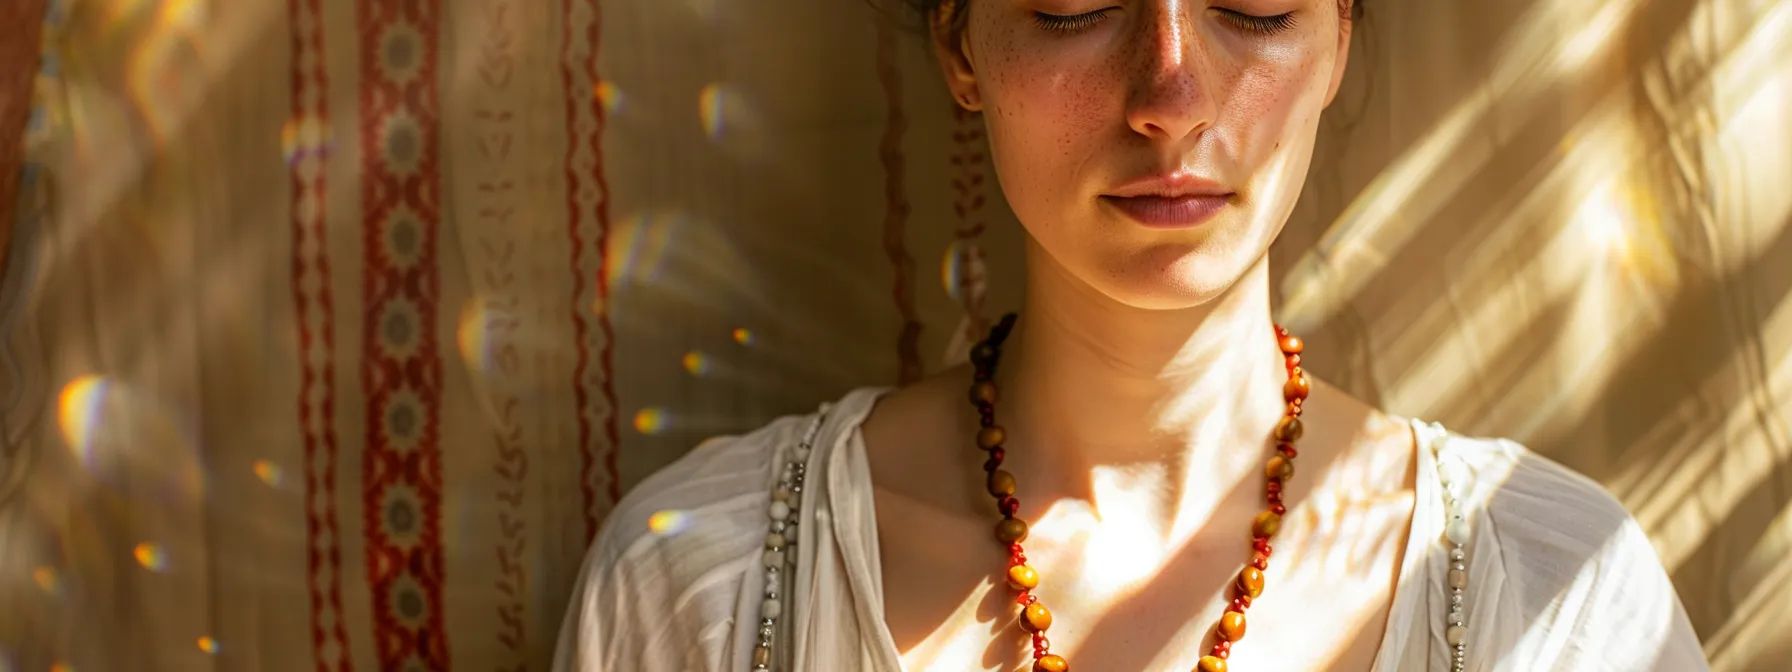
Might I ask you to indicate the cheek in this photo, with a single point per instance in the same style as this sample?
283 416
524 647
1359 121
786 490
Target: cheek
1049 111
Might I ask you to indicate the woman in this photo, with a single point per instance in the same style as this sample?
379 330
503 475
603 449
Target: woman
1131 438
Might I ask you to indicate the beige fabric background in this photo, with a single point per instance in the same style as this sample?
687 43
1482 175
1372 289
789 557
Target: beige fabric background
330 328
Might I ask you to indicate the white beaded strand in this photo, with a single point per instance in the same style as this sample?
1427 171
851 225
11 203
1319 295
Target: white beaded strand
780 544
1450 475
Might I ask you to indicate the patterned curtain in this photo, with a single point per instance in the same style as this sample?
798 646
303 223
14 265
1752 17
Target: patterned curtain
330 330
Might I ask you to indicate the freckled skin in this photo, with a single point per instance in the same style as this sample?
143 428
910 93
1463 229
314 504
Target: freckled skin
1151 87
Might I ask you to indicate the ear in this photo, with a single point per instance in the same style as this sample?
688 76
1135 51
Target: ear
1345 24
952 49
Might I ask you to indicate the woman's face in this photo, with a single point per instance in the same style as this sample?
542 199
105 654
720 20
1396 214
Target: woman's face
1152 148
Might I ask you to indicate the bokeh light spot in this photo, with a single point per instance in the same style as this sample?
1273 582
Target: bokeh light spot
743 336
61 667
46 578
151 557
669 522
78 412
650 421
710 109
208 645
268 472
609 96
696 363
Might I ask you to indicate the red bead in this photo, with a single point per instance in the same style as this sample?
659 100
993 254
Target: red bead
1009 505
1261 544
987 420
999 454
1274 486
1261 562
1040 642
1222 648
1288 450
1278 508
992 464
1022 598
1293 361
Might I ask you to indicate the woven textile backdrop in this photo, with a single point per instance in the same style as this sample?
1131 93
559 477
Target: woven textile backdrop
330 330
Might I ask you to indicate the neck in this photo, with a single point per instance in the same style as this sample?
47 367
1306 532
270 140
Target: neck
1152 418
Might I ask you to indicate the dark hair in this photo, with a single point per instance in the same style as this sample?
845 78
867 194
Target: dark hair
925 10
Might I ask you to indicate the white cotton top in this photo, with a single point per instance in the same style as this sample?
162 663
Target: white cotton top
1561 577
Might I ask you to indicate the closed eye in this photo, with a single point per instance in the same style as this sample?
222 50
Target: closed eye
1069 24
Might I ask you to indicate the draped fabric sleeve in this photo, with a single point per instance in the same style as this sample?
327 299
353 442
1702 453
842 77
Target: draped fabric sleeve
665 594
1569 580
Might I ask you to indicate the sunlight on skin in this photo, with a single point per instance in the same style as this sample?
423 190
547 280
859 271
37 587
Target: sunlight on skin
1414 187
1334 559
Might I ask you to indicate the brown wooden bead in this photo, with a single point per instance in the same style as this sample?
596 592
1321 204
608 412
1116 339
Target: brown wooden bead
1289 430
1051 662
1297 387
1036 618
1023 577
1211 664
983 392
991 437
1011 531
1279 468
1250 582
1001 483
1232 626
1292 345
1266 524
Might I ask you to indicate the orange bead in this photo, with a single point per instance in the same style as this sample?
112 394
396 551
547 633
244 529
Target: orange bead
990 437
1022 577
1211 664
1051 662
1232 626
1289 430
1001 483
1011 531
983 392
1036 618
1279 468
1291 345
1297 387
1250 582
1266 525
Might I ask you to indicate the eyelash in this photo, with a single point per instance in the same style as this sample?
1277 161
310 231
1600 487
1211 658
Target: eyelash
1076 23
1071 24
1262 25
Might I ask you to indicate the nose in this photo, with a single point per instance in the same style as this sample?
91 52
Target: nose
1169 97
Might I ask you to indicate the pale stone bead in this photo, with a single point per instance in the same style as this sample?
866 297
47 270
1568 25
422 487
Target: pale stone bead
1457 531
1458 578
774 558
1456 554
780 510
782 495
771 609
1454 634
774 540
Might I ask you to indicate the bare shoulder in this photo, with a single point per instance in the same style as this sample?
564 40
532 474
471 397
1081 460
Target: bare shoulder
1363 443
910 433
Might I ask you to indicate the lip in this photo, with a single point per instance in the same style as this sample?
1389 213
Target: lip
1170 201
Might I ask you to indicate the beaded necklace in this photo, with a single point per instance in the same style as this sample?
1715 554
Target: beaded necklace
1035 619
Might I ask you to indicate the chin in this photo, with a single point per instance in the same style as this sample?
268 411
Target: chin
1169 277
